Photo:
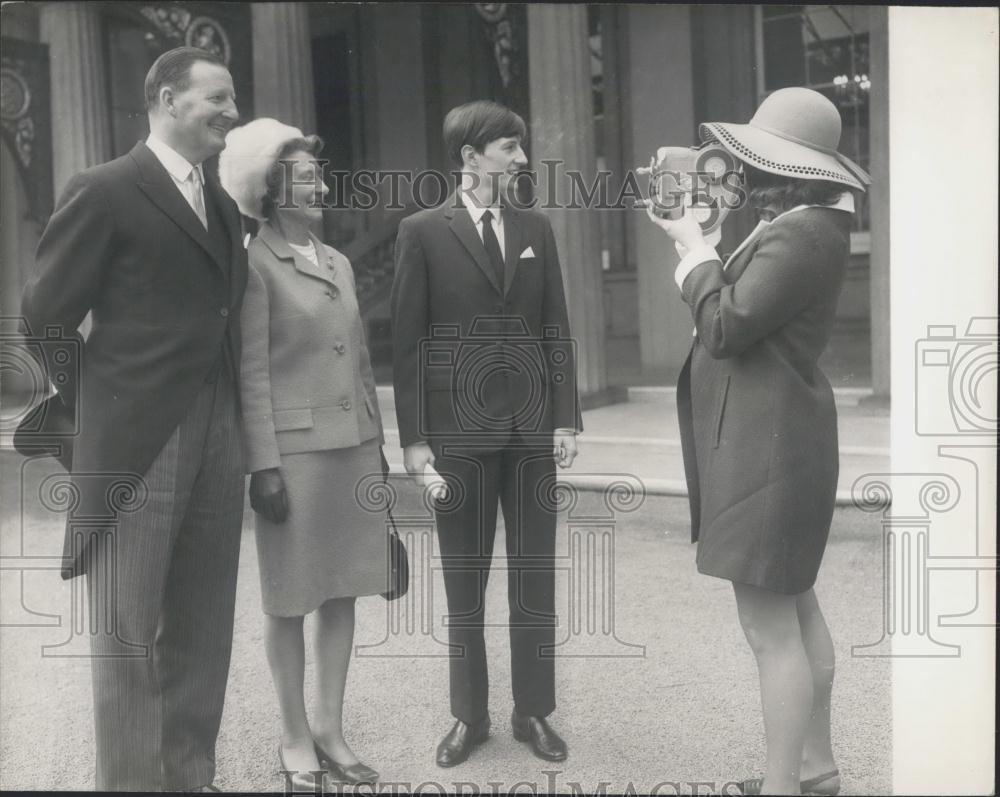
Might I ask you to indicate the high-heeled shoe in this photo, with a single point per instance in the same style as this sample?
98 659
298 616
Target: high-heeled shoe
808 786
352 774
811 786
299 781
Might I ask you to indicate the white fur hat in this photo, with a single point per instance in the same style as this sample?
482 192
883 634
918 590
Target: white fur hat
250 152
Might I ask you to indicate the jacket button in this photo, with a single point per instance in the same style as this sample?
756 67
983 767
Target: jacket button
224 312
345 404
340 348
498 308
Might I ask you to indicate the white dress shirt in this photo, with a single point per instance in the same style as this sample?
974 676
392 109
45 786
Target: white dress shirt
308 251
477 214
179 169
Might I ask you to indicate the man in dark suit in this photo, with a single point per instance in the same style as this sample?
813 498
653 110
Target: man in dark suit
150 246
485 387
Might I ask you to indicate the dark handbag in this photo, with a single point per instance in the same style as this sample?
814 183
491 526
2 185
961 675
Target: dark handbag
399 560
399 564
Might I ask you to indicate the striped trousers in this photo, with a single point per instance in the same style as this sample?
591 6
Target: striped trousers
168 590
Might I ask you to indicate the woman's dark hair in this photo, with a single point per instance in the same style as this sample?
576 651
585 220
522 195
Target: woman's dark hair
173 69
477 124
780 193
311 145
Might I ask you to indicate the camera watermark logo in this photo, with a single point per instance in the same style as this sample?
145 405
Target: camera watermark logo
30 366
955 400
956 380
907 502
497 377
584 624
86 510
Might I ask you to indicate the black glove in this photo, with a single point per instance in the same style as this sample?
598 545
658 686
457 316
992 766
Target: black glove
268 496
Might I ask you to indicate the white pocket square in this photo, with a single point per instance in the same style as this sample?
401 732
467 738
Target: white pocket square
529 252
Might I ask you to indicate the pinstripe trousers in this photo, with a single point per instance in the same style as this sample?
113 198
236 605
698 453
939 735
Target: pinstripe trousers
168 589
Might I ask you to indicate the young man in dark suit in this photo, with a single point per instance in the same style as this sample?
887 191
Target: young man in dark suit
150 246
485 386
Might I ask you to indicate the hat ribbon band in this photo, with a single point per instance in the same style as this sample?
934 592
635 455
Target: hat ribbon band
794 140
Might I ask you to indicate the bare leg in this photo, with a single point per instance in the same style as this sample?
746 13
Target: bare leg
771 624
334 641
286 657
817 752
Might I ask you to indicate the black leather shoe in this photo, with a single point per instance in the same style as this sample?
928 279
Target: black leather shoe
460 741
545 742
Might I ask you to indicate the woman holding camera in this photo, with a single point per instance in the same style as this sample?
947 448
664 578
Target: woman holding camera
758 420
312 431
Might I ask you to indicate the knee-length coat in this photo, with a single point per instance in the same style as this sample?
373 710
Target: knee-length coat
757 416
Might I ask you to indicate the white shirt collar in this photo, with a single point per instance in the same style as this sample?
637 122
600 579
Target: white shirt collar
477 212
176 164
844 202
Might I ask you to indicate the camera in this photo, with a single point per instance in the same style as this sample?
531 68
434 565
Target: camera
705 179
494 379
957 380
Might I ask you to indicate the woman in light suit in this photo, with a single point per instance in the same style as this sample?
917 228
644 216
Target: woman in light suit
312 430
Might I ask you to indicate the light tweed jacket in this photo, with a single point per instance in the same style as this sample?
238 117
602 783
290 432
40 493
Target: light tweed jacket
306 379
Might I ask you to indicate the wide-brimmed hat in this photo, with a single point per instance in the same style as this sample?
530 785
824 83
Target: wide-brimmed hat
250 152
795 133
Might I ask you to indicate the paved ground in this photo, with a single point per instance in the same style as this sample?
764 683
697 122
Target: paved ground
640 437
682 708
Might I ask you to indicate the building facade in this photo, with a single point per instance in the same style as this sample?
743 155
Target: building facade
601 87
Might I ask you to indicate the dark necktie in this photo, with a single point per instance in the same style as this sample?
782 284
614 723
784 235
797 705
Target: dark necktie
492 246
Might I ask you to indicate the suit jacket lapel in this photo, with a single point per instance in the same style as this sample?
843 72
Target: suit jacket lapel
279 246
461 224
740 259
157 184
512 247
234 229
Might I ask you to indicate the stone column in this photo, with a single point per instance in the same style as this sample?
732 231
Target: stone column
562 129
282 64
879 205
81 135
661 112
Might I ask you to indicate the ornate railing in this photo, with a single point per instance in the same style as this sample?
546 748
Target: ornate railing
371 256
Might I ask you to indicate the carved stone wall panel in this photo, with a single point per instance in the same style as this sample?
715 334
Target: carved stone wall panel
26 119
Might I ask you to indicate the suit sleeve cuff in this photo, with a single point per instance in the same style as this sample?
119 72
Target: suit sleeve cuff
260 444
693 259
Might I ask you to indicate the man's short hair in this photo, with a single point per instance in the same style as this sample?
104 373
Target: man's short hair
477 124
173 69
